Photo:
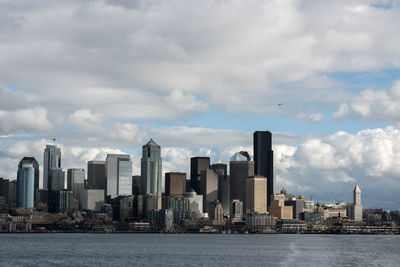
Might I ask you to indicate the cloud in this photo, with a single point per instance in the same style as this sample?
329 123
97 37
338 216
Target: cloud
162 61
86 120
10 100
24 121
313 118
377 105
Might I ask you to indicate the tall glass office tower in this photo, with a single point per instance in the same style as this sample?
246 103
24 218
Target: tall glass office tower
25 186
119 175
151 170
52 159
35 164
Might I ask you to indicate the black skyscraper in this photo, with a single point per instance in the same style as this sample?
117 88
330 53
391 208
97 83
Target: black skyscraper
264 159
197 164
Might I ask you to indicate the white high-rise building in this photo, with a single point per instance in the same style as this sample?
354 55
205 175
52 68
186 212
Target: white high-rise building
119 175
357 215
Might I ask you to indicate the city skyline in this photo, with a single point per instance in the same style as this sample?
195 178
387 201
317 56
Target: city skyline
200 78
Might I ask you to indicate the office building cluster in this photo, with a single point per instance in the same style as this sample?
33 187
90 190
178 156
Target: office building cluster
110 197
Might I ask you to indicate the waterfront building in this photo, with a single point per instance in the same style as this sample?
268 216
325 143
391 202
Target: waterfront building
197 164
241 168
136 185
92 199
181 208
52 160
96 170
150 202
224 194
25 186
313 218
175 184
259 222
264 159
236 210
35 164
151 171
280 211
209 189
162 220
119 175
357 212
76 182
256 195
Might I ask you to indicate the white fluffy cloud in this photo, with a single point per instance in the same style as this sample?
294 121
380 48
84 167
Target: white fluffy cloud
24 121
378 105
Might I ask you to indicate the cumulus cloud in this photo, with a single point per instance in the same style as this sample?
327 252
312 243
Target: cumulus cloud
313 118
377 105
24 121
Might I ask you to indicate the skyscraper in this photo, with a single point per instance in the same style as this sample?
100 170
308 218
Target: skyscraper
357 206
241 168
4 184
35 164
264 160
119 175
52 159
56 179
197 164
175 184
209 189
151 170
76 181
97 174
25 186
256 195
224 194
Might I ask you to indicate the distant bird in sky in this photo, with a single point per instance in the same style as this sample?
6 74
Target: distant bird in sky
280 104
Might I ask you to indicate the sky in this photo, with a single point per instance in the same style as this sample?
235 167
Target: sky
199 77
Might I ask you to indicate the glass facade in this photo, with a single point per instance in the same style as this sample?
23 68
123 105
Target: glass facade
119 175
25 186
151 170
52 159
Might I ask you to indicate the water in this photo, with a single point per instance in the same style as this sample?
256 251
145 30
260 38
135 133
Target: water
197 250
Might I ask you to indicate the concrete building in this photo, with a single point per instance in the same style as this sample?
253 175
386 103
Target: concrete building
97 174
357 211
25 186
181 208
209 189
197 164
224 187
52 159
150 202
256 195
264 159
35 164
137 185
151 170
195 202
56 179
76 182
92 199
175 184
298 207
236 211
279 210
259 222
241 168
119 175
218 213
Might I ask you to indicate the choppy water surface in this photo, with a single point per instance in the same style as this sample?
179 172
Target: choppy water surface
197 250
